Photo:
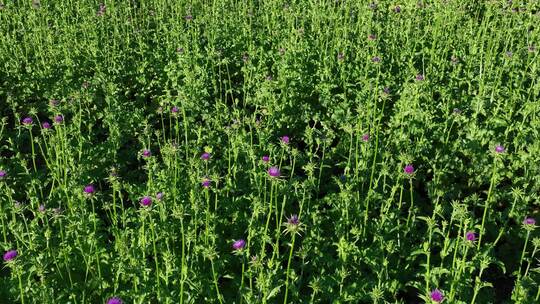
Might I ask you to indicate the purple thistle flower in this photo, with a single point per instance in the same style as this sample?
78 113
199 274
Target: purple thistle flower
470 236
365 137
499 149
58 119
205 156
146 201
27 121
420 77
174 109
409 169
146 153
293 220
3 174
266 158
274 171
159 196
285 139
397 9
89 189
372 37
340 56
188 17
437 296
529 221
46 125
376 59
206 183
114 300
41 208
10 255
239 244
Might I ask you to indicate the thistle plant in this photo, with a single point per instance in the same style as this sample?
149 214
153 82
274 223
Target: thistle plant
269 152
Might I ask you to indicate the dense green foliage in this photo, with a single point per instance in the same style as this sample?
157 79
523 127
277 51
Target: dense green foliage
135 92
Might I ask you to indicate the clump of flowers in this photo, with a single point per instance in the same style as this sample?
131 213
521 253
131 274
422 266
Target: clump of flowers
409 169
274 171
470 236
89 189
27 121
146 201
206 183
10 255
293 225
114 300
205 156
436 296
529 221
238 245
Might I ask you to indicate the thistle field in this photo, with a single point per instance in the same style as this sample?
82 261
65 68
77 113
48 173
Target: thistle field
276 151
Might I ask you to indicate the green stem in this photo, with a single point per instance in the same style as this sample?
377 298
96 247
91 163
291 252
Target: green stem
33 150
486 205
288 270
523 253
